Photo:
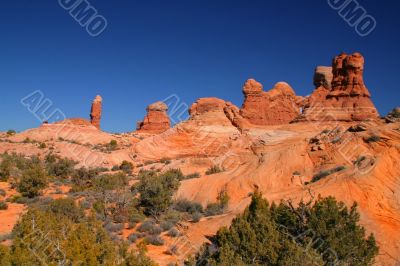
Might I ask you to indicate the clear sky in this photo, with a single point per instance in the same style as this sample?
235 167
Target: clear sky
191 48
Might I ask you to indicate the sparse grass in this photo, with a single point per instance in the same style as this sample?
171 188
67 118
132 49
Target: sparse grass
214 170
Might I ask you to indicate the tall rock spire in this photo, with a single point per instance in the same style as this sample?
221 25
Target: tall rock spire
95 113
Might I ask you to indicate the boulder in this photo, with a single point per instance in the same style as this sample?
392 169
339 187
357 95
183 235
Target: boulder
156 120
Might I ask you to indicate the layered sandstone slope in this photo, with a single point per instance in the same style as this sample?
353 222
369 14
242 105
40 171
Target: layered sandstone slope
213 128
277 106
156 120
342 95
95 112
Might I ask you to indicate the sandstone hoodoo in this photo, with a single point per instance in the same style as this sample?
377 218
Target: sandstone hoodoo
95 113
347 98
156 120
277 106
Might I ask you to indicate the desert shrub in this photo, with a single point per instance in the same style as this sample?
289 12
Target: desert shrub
188 206
220 206
146 226
336 140
196 217
86 204
191 176
5 257
32 182
373 138
214 170
132 238
2 192
11 132
155 240
115 168
126 167
59 167
166 225
3 205
83 179
42 145
173 232
277 235
112 145
113 227
171 216
325 173
27 140
66 208
296 173
156 190
110 181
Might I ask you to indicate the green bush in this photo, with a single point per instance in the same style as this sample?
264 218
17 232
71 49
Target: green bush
196 217
2 192
110 181
191 176
66 208
165 160
32 182
324 233
42 145
214 170
156 190
83 178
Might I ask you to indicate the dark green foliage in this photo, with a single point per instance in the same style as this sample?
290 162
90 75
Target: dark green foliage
2 192
3 205
373 138
326 233
59 167
42 145
156 190
66 208
326 173
359 160
112 146
32 182
13 164
214 170
166 225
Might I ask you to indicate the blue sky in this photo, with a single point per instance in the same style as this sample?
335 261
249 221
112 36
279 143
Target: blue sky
155 48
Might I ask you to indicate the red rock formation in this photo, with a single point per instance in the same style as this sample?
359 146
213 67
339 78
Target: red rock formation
277 106
347 99
95 113
156 120
214 111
